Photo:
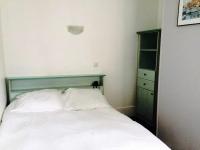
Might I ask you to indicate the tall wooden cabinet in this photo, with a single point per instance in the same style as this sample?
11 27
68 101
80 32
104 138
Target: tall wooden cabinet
147 78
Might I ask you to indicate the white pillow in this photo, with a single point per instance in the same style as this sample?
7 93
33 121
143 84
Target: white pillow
39 101
84 99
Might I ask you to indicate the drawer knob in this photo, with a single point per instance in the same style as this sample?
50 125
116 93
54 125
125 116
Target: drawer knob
152 94
144 84
145 74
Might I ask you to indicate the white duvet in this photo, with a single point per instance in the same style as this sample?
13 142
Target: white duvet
98 129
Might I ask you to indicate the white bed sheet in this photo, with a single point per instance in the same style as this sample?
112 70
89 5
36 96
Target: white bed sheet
99 129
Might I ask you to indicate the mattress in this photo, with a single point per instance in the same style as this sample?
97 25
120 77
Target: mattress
96 129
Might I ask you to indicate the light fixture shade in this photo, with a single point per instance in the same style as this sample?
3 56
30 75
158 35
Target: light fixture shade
76 30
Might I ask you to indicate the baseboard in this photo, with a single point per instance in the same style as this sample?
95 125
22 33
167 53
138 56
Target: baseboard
129 110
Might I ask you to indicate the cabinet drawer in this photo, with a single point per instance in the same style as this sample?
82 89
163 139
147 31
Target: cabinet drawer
146 74
146 84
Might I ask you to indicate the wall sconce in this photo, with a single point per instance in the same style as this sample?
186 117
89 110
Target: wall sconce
76 30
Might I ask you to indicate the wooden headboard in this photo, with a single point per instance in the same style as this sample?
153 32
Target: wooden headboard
19 85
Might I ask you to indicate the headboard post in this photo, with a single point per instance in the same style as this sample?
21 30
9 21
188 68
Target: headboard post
101 83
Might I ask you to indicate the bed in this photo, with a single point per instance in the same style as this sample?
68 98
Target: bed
88 128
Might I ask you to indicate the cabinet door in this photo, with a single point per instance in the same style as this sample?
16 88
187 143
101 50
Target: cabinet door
149 105
145 100
140 106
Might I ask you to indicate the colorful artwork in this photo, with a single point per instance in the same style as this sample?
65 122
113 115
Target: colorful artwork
189 12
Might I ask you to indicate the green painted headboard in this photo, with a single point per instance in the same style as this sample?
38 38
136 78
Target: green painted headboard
19 85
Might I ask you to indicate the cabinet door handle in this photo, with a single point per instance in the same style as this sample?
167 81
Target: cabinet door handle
145 74
144 84
152 94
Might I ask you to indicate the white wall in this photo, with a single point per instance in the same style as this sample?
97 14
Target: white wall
179 89
2 78
36 41
160 12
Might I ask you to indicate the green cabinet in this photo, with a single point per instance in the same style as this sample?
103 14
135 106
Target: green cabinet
147 78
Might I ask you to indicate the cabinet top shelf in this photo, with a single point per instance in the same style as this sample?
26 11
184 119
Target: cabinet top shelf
147 69
149 50
149 31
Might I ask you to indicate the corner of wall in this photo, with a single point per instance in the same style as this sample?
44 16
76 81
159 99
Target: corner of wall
2 77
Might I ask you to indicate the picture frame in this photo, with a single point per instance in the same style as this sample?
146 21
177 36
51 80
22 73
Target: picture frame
188 12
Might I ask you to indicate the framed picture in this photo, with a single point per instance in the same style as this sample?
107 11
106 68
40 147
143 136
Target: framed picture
189 12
